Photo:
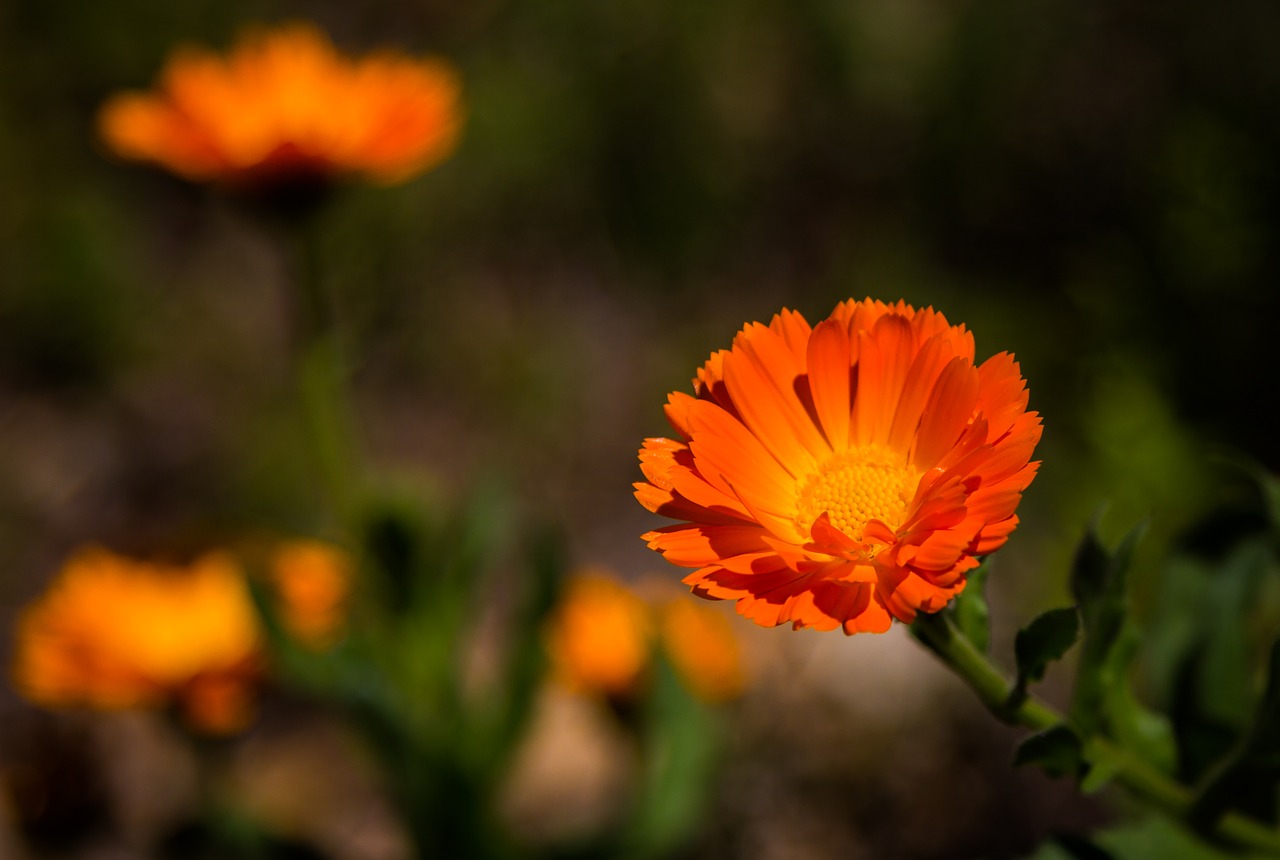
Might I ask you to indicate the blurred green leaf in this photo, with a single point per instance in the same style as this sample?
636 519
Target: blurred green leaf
1100 774
1266 481
393 545
970 607
546 564
1041 642
1070 847
1090 571
1134 725
1098 583
681 745
1157 838
1210 637
1247 779
1058 751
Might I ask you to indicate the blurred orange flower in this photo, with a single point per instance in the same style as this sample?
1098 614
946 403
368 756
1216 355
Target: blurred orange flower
844 474
284 105
111 632
313 582
603 636
702 646
599 636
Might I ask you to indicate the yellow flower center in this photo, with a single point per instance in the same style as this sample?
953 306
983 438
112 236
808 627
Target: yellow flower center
857 486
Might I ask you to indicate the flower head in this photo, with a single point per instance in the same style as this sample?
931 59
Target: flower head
843 474
283 107
111 633
703 649
313 582
604 635
599 636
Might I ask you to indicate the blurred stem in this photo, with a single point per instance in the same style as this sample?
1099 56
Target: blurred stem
322 378
939 633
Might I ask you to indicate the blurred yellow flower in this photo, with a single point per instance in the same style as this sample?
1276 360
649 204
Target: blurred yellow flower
285 106
313 583
603 636
599 636
112 632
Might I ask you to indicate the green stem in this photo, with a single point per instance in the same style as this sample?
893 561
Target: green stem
939 633
322 380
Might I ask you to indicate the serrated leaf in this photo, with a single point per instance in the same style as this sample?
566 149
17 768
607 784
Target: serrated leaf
1044 640
970 608
1057 751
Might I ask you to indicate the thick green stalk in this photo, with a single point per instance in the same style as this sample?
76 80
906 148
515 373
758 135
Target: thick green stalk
939 633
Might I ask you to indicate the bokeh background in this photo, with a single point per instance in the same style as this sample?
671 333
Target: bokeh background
1091 185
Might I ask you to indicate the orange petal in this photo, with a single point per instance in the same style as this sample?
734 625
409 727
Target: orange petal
947 412
884 358
830 380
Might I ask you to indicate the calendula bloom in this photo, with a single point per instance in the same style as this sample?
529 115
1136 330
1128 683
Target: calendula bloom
704 650
313 583
111 632
285 106
604 636
843 474
599 637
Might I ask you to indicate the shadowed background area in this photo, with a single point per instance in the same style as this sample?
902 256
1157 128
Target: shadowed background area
1090 185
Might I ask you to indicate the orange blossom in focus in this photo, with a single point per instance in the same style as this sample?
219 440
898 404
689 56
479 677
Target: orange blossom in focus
111 632
843 474
284 106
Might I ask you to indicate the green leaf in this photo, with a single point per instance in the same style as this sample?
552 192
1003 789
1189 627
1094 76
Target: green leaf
1268 483
1136 727
1099 776
1247 778
393 544
1098 583
1157 837
1057 751
970 608
1064 846
1090 571
1081 848
681 744
1043 641
525 660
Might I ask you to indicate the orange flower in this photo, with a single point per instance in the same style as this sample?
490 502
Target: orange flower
313 581
703 649
599 637
285 106
112 632
603 636
843 474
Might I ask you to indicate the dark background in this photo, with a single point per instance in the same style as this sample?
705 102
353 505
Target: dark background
1090 185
